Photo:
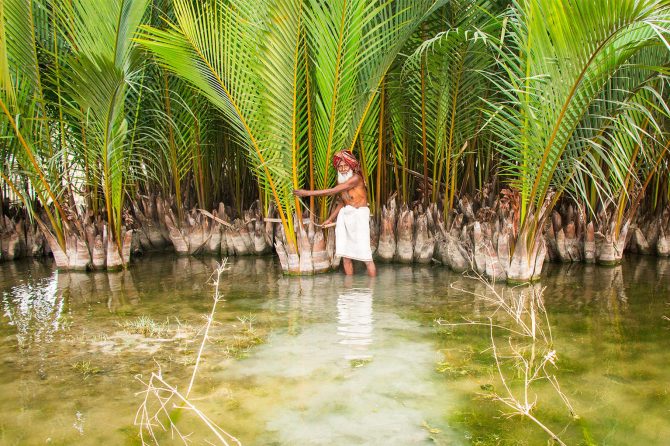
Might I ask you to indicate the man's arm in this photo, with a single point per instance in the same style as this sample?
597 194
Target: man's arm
333 215
349 184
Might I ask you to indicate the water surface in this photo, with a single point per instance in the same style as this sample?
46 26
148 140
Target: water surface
325 360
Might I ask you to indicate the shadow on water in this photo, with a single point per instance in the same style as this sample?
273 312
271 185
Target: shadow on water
330 359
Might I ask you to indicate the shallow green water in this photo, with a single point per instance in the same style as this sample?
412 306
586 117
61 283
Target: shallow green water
325 360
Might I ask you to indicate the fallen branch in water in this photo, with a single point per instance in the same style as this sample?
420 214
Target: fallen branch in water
217 297
157 390
528 315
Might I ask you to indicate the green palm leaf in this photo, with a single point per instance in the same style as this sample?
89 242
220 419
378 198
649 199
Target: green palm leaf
23 105
445 79
352 46
100 67
557 60
244 58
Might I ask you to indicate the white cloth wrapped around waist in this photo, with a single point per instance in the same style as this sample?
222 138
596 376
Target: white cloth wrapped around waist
352 233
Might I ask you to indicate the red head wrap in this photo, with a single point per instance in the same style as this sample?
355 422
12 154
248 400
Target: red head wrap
347 157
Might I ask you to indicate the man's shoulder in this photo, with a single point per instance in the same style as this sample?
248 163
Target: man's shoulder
355 181
360 181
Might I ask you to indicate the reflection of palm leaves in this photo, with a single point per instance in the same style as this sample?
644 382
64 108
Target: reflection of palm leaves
557 62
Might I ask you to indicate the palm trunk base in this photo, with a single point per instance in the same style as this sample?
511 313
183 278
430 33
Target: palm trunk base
314 255
451 247
424 239
405 236
116 261
96 251
663 241
261 243
75 256
638 243
386 246
374 236
36 244
610 245
240 238
526 266
663 244
213 245
457 255
663 247
565 235
198 234
12 240
590 244
149 214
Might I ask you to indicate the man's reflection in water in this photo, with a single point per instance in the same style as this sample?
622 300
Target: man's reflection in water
354 317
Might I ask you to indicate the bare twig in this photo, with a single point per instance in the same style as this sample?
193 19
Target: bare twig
168 397
217 297
528 314
221 435
216 219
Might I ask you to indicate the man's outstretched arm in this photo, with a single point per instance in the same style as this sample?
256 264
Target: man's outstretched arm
349 184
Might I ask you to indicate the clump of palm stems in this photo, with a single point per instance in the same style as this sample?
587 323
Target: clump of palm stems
184 105
167 397
289 116
520 314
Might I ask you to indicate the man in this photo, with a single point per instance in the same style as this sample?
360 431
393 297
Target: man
352 229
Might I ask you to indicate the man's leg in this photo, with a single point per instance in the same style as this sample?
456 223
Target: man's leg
348 266
372 269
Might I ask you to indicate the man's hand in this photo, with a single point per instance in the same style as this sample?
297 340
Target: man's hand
301 193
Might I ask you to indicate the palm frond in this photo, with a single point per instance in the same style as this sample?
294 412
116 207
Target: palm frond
557 59
100 68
